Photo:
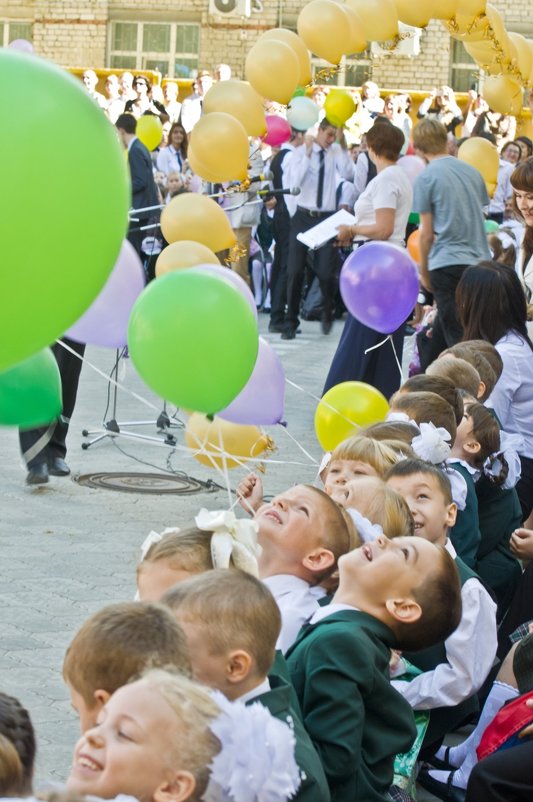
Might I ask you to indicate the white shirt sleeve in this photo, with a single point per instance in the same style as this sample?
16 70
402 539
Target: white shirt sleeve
470 652
501 398
294 171
343 162
360 175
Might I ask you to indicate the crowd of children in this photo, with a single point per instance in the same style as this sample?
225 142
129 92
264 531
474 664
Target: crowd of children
325 645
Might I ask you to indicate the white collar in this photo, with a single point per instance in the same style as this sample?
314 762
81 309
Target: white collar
130 143
255 692
285 583
450 548
329 609
457 461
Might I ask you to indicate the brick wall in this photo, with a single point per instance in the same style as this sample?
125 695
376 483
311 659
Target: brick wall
74 33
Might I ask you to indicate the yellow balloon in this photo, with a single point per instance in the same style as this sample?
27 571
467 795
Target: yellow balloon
198 167
196 217
339 107
379 18
530 79
149 130
236 440
472 8
183 254
496 22
445 9
491 189
220 144
358 41
483 155
325 29
503 94
302 54
525 61
415 13
241 100
273 69
346 408
471 29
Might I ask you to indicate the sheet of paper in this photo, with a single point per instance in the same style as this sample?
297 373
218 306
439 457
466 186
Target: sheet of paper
326 230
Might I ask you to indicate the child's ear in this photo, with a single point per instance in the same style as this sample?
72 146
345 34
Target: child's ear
451 515
482 389
472 446
405 611
319 560
101 697
239 666
179 789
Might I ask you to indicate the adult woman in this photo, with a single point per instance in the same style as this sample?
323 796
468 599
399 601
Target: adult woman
143 102
172 158
491 305
441 104
522 183
511 152
381 213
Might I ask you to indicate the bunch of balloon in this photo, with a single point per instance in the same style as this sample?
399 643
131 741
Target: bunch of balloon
344 409
217 442
46 288
196 217
149 130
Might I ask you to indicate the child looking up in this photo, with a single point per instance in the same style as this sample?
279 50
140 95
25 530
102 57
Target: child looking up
479 361
232 647
370 499
115 644
455 669
175 556
440 385
462 374
401 593
164 738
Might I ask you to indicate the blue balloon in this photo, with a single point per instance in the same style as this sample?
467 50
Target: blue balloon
302 113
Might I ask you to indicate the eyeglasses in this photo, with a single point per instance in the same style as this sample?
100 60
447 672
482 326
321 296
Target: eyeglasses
140 83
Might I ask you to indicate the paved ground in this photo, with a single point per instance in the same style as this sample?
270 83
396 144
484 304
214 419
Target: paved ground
66 550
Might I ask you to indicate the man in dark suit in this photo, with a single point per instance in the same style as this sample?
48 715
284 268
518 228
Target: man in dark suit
143 188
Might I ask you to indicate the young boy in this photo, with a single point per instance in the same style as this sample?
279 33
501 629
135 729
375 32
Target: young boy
401 593
115 644
454 670
232 622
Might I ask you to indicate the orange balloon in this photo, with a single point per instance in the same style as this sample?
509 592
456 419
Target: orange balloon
413 245
210 438
183 254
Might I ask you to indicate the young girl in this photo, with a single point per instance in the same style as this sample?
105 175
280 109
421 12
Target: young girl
165 738
17 748
375 508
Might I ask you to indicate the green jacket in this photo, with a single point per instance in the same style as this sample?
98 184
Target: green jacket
314 787
357 721
465 535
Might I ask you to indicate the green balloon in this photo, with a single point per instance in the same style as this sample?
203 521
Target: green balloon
414 218
491 226
63 203
30 392
194 340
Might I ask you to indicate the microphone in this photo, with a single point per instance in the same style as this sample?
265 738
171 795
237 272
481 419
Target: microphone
268 176
270 192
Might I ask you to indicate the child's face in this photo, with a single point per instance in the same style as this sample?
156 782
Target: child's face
385 569
432 513
174 183
341 471
128 751
154 579
292 523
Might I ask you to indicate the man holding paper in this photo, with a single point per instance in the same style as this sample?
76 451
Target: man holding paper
315 168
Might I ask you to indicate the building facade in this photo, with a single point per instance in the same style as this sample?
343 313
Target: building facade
178 38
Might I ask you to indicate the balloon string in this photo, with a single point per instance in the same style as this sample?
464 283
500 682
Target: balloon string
388 339
225 468
321 401
300 446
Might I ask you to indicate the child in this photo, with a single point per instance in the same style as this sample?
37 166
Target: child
116 644
164 737
455 670
175 556
232 647
357 456
424 407
17 748
476 358
478 440
374 506
397 431
440 385
401 593
462 373
490 352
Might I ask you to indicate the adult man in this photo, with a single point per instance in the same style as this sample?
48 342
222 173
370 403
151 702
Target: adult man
172 104
126 87
281 229
316 168
90 80
191 109
449 196
144 191
114 104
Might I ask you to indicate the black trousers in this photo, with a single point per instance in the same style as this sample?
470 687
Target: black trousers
278 276
324 263
524 488
47 442
377 368
520 611
505 776
444 282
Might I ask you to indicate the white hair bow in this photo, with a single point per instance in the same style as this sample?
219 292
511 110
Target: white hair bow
155 537
432 444
233 539
366 529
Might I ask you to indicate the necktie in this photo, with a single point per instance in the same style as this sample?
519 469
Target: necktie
320 187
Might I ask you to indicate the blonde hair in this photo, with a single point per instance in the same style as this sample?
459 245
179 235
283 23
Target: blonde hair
378 455
462 373
234 610
121 641
387 508
195 709
188 550
430 136
391 431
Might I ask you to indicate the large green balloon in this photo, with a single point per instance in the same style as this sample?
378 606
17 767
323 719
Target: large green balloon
30 392
193 339
64 197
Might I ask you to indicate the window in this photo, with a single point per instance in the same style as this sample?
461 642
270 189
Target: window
352 71
464 70
9 31
168 47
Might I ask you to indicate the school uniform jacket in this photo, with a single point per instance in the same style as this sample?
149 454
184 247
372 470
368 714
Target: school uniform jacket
356 720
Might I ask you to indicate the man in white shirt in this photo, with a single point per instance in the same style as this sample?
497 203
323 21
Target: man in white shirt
192 107
315 168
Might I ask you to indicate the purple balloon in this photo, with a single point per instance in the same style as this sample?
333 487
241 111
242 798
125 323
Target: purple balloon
230 275
278 130
22 45
261 402
106 321
379 285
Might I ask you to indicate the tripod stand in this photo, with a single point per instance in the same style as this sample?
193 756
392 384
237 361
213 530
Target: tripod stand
112 428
